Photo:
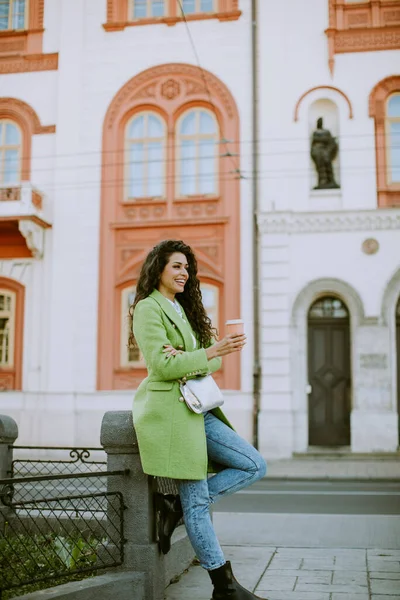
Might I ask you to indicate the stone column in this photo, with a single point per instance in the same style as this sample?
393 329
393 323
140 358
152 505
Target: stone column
141 551
8 435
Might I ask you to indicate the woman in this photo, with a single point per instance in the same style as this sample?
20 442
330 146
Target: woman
176 338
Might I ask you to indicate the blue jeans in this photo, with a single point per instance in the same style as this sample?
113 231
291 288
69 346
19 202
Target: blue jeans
244 465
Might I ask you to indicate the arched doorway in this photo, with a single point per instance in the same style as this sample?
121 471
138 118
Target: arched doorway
398 362
329 373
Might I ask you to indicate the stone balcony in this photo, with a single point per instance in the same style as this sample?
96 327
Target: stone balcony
23 214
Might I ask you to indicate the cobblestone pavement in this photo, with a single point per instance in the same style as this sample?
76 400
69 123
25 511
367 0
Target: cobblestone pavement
302 574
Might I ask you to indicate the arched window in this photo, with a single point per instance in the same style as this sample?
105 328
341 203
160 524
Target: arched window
198 153
393 138
165 113
384 107
328 308
12 14
210 295
145 148
7 328
10 152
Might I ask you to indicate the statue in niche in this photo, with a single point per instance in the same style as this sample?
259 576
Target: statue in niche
324 149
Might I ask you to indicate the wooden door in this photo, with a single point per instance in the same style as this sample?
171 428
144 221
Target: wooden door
329 373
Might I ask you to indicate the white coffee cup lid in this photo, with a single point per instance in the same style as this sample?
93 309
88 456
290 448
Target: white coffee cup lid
234 322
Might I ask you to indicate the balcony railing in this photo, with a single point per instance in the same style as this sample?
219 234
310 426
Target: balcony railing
21 201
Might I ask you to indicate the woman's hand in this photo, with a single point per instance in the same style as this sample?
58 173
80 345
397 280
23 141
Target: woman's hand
171 351
232 342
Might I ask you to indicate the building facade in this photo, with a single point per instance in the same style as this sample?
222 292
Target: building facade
124 122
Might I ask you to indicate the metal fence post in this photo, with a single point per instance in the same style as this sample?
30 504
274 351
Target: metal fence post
141 552
8 435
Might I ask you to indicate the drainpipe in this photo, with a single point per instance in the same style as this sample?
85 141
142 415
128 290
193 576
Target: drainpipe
255 209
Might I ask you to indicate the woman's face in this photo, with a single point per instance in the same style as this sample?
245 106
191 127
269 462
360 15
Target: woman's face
174 276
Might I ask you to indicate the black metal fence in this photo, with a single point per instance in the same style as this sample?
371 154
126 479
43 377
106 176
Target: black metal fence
33 461
56 527
53 460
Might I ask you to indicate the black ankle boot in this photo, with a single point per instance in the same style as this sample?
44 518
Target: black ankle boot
226 587
169 513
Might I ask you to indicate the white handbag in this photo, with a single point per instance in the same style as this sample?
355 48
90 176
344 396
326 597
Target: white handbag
201 394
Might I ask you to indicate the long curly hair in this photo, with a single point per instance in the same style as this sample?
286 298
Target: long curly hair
190 298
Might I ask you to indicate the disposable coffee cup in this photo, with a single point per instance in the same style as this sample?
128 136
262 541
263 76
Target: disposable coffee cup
235 326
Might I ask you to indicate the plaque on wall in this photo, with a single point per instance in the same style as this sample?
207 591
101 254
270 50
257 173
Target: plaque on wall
373 361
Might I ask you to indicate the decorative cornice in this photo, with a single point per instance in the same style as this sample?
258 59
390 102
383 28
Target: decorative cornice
29 63
368 26
34 236
290 222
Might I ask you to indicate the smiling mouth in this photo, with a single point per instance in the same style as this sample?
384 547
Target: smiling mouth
180 282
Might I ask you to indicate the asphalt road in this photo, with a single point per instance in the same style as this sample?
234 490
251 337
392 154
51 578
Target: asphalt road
325 497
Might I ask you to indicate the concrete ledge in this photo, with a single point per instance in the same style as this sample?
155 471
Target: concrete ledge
124 586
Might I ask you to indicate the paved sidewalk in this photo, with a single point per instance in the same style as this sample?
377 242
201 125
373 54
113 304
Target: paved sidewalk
355 468
302 574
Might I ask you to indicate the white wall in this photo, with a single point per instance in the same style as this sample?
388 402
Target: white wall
60 358
294 59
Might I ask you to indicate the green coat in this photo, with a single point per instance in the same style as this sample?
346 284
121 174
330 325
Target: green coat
171 438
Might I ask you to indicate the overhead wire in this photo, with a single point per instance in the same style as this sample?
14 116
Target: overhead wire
223 141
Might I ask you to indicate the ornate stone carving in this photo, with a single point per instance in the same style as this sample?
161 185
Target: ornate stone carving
354 27
289 222
367 41
196 208
182 211
391 16
40 62
6 382
211 251
358 19
170 89
34 236
150 91
145 213
138 87
14 46
194 87
10 194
